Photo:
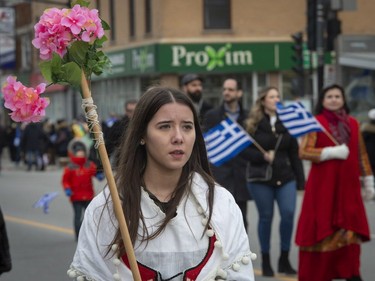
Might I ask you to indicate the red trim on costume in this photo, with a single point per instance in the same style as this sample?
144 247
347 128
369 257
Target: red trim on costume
149 274
192 273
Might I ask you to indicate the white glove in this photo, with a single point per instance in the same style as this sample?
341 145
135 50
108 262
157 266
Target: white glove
368 190
334 152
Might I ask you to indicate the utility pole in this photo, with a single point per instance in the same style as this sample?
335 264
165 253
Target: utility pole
320 46
311 6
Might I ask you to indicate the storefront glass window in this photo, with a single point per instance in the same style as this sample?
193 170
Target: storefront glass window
359 85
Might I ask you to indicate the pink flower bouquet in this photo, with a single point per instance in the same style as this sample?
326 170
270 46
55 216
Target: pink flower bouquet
68 41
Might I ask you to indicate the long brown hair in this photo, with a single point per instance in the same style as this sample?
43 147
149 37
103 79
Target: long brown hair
257 111
133 158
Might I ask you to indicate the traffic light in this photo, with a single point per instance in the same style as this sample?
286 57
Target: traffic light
297 83
311 25
297 56
333 30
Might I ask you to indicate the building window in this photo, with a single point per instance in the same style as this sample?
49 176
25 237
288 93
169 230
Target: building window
148 17
131 18
217 14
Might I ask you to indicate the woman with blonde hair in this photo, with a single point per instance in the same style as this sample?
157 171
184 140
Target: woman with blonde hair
274 173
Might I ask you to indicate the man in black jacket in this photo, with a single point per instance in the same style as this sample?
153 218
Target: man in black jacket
231 174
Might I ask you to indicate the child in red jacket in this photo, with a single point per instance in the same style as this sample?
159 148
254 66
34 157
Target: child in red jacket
77 180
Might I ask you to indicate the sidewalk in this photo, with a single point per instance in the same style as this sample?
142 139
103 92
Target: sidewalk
8 165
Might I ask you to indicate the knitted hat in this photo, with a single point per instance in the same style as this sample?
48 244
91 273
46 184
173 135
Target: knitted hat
190 78
77 144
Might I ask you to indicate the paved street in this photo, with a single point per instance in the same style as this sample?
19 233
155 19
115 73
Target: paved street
42 245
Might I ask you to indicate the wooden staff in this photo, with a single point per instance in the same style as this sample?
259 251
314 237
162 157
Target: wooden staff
86 93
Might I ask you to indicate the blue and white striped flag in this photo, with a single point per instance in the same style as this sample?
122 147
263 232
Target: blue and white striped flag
45 200
225 141
297 119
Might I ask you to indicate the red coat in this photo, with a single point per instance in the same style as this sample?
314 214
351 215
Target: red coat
79 180
332 197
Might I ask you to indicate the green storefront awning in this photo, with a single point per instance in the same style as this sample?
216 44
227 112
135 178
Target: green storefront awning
226 57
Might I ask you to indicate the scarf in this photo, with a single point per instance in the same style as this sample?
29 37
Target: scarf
338 124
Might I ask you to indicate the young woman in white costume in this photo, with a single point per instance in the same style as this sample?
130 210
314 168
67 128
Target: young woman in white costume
183 225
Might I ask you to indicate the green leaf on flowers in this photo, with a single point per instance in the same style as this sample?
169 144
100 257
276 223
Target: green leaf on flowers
82 3
105 25
50 69
78 51
71 74
98 43
45 69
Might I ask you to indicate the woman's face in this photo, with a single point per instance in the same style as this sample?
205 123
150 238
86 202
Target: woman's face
270 100
170 137
333 100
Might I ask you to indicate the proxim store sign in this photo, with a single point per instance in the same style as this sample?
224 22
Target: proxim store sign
224 57
210 58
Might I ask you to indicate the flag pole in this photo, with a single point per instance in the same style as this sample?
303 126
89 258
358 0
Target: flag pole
119 212
252 139
330 136
328 133
258 146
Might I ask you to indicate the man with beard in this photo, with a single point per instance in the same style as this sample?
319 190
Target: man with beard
192 86
231 174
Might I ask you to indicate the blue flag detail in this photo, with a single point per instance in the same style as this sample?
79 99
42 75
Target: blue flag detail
225 141
297 120
44 201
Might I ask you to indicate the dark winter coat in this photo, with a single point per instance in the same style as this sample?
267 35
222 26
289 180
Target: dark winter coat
286 165
5 259
231 174
116 134
34 138
3 138
204 108
63 136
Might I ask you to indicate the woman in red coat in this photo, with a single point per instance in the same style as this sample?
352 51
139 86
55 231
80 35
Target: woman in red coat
333 220
77 180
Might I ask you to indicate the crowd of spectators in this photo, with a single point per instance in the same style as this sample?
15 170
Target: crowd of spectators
37 145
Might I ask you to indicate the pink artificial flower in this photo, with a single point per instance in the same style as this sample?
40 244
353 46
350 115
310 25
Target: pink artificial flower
93 26
25 103
58 29
74 20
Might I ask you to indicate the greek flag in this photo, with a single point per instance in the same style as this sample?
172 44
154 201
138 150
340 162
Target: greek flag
45 200
297 119
225 141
